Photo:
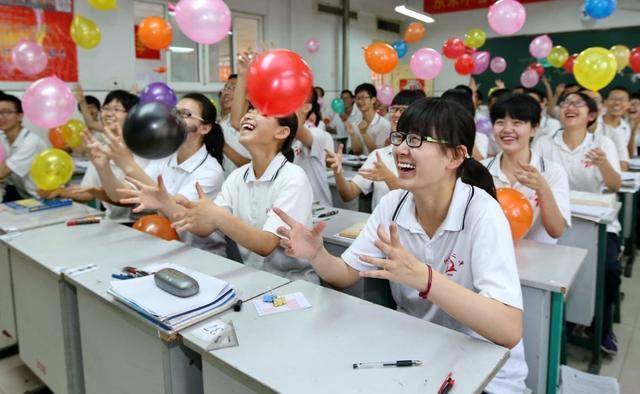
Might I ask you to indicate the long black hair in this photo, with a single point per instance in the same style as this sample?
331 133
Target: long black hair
407 97
449 121
214 139
291 122
315 107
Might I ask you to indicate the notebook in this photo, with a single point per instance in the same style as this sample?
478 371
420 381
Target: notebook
34 205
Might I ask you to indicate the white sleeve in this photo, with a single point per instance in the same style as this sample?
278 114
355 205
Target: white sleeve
382 133
482 144
558 181
91 177
19 161
365 185
295 198
153 169
227 196
621 146
611 152
209 179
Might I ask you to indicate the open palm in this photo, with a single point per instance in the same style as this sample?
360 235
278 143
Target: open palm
299 241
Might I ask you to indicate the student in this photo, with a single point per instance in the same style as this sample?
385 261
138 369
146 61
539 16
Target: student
235 155
448 248
544 183
89 107
351 115
592 164
379 173
373 130
548 125
462 97
20 146
633 117
613 123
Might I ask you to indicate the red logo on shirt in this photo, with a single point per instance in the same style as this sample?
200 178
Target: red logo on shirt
450 264
587 163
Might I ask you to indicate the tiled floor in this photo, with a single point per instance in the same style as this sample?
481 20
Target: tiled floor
16 378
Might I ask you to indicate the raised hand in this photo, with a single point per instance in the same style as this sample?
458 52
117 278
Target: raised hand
335 159
378 173
530 177
298 240
145 197
200 217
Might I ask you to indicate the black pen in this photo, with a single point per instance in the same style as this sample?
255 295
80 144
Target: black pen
384 364
327 214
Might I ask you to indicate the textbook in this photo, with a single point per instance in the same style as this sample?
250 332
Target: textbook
34 205
593 199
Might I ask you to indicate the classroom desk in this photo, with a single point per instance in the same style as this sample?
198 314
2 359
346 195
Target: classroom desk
11 222
584 303
312 350
121 350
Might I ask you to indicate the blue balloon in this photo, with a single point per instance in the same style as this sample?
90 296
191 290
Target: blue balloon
401 48
599 9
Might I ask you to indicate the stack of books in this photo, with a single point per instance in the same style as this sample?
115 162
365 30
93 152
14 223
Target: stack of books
592 205
630 181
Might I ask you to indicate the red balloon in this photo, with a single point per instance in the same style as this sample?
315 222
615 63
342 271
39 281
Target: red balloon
469 50
634 60
453 48
517 209
568 64
279 82
538 68
158 226
464 64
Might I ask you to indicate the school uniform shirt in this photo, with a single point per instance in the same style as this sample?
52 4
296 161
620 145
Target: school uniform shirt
482 144
472 247
623 128
379 188
336 121
548 125
312 161
379 130
232 138
325 138
91 178
558 182
583 175
19 156
283 185
616 137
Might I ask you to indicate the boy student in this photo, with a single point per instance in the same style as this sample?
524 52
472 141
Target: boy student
600 128
543 182
373 130
633 117
351 115
235 155
614 122
89 107
20 146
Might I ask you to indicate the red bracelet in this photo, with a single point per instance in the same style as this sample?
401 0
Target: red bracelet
424 294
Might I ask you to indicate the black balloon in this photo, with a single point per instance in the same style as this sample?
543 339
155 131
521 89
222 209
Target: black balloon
151 131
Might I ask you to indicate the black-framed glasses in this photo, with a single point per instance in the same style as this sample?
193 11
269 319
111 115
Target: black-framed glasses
575 103
395 108
414 140
7 112
185 114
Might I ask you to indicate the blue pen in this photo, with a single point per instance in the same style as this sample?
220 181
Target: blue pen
120 276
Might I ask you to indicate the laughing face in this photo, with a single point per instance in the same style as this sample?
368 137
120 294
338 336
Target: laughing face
260 130
112 114
574 112
634 110
617 103
513 135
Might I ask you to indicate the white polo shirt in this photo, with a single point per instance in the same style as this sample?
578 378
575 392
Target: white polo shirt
232 138
325 138
283 185
312 161
624 129
336 121
482 144
548 125
379 130
379 188
583 175
472 247
558 182
617 137
19 156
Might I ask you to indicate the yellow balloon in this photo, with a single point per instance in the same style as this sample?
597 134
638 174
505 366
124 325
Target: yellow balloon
103 5
72 132
621 53
474 38
595 68
84 32
558 56
51 169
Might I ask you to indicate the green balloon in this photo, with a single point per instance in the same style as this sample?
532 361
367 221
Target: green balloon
337 105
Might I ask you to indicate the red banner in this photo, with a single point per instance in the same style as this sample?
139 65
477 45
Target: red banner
42 22
439 6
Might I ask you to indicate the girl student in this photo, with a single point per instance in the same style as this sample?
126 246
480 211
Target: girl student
442 241
543 182
592 164
378 173
464 98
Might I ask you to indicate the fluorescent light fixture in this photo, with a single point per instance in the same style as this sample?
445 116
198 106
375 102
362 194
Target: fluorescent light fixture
421 16
181 49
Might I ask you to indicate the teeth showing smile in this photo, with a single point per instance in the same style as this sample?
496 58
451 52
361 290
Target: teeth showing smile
247 126
406 166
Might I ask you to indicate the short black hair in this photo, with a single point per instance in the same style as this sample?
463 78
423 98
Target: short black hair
461 97
621 89
591 104
91 100
128 100
407 97
480 95
517 106
519 87
367 87
232 76
635 95
497 94
12 99
320 89
347 91
465 88
541 96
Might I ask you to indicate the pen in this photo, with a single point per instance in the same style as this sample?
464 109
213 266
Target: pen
384 364
121 276
238 306
446 385
327 214
77 222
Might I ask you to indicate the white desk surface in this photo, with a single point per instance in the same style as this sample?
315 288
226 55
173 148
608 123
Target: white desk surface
613 215
548 267
339 222
348 174
10 221
295 352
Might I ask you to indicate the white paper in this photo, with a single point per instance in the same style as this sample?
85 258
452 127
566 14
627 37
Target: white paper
590 210
578 382
295 301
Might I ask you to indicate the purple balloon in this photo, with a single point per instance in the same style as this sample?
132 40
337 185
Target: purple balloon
426 63
483 125
480 62
385 94
498 64
48 103
29 57
540 46
313 45
529 78
158 92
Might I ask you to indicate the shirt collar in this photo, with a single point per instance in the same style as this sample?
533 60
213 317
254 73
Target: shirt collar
24 132
557 138
270 174
192 162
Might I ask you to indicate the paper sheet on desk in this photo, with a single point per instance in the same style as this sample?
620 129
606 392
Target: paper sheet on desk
295 301
578 382
590 210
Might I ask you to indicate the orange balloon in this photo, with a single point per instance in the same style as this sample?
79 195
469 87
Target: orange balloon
415 32
155 33
158 226
518 211
381 58
56 138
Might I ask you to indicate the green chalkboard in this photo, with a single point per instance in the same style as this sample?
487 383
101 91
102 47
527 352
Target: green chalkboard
515 50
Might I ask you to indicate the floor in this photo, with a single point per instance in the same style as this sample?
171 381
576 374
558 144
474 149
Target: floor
16 378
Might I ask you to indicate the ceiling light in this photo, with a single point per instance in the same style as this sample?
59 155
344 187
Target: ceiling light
181 49
421 16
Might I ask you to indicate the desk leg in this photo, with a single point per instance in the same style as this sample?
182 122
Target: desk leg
8 333
630 249
555 341
596 359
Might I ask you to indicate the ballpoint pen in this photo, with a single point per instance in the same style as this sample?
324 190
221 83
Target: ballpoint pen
327 214
384 364
446 385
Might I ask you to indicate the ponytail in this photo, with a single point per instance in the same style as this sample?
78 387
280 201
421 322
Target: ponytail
472 172
291 122
214 142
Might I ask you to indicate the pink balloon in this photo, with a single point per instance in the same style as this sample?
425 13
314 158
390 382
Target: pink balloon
540 46
385 94
480 62
498 64
426 63
506 16
29 57
313 45
203 21
529 78
48 103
